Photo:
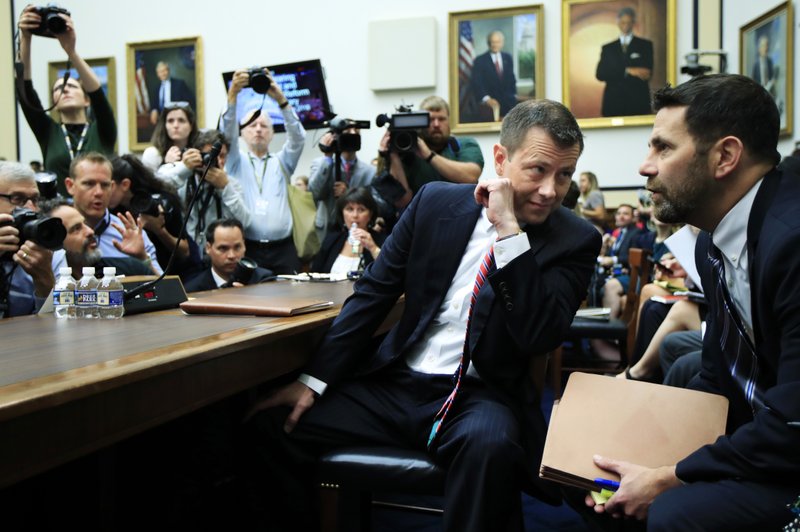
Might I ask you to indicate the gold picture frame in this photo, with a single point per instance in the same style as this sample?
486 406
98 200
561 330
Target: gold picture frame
773 35
519 76
104 67
184 59
601 80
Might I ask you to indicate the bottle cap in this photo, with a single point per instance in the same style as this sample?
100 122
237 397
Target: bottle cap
65 270
88 270
109 270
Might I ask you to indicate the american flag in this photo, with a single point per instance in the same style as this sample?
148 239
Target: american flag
140 88
466 52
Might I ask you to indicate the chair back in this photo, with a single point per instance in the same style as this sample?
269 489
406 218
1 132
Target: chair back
640 268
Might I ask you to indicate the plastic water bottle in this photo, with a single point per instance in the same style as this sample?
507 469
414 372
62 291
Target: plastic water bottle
109 295
354 242
86 294
64 294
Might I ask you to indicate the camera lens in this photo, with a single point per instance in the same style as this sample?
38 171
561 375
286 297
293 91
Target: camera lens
55 23
47 232
403 140
259 81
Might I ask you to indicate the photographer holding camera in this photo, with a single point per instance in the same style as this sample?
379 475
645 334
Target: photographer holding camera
61 143
264 176
26 277
354 173
158 207
436 157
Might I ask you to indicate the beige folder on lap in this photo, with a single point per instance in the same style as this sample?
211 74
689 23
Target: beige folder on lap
639 422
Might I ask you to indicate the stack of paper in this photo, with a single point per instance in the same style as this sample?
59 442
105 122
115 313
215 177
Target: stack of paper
639 422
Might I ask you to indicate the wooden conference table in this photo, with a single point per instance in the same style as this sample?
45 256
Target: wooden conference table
70 387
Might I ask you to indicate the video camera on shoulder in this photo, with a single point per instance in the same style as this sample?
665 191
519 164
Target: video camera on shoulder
344 141
43 230
52 24
403 126
259 80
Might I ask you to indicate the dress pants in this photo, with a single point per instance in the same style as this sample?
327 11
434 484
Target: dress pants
478 444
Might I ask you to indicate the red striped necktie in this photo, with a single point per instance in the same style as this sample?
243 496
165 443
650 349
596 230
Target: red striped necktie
480 280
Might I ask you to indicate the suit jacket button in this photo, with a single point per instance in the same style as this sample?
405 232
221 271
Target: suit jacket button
509 306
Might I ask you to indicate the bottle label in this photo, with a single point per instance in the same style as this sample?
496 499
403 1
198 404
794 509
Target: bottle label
110 298
85 298
63 297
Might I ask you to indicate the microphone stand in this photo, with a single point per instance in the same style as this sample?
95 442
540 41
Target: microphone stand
131 294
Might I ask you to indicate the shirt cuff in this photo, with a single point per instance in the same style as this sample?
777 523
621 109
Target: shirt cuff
316 385
510 248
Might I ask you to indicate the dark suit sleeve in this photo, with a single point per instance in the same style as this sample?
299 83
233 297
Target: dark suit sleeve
612 63
104 117
536 301
480 72
374 295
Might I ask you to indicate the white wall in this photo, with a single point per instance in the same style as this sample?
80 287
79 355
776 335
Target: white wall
241 33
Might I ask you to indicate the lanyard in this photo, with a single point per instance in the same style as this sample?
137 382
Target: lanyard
68 141
259 180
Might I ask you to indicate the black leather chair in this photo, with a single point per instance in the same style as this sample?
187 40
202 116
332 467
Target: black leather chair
349 477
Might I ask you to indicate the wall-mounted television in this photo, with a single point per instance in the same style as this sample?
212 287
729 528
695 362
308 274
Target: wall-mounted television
303 83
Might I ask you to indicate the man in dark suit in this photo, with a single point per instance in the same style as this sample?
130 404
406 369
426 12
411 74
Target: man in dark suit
712 164
764 71
493 80
225 247
491 440
168 90
614 256
626 65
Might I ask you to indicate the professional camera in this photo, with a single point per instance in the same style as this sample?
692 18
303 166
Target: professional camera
147 203
52 24
43 230
259 80
403 127
244 271
344 141
693 66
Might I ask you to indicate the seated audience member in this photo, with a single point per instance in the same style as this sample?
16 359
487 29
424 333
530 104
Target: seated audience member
25 275
712 162
173 138
90 183
159 209
591 201
75 135
225 247
539 258
220 196
80 245
615 256
655 240
436 157
323 184
264 177
338 254
681 316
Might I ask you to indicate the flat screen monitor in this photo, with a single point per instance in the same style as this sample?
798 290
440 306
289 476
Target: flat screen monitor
303 83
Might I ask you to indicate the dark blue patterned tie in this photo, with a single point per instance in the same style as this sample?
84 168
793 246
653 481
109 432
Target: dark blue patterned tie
737 347
480 280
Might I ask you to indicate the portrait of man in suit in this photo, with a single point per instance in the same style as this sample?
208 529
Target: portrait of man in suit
493 79
626 66
168 90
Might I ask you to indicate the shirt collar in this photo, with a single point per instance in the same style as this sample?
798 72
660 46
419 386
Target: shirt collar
730 235
217 279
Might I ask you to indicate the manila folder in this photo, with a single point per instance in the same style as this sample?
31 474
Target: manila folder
639 422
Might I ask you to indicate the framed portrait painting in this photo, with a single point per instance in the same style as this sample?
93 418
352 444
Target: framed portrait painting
162 73
766 48
106 70
614 55
496 61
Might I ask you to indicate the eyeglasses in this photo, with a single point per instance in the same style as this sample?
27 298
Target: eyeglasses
19 200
